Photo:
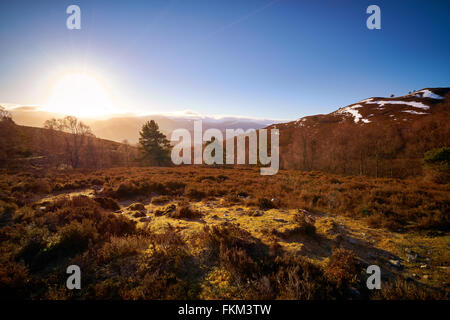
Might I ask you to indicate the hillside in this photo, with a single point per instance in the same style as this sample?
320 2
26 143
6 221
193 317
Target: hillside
376 136
23 146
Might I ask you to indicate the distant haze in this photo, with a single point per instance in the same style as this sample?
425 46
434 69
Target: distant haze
127 127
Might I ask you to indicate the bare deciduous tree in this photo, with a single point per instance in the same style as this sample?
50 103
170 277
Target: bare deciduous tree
125 148
4 114
79 132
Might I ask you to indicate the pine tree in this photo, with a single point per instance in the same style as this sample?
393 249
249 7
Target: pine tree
154 146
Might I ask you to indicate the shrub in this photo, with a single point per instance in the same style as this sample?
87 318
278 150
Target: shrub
304 225
75 237
236 250
375 221
218 284
438 158
175 187
232 198
342 267
265 204
107 203
7 211
125 190
165 210
14 281
298 279
116 225
195 194
402 290
137 206
158 200
437 163
185 212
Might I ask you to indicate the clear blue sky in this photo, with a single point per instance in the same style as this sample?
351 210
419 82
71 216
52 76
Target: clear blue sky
275 59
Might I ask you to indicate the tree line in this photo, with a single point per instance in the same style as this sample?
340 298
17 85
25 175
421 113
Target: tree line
380 150
69 143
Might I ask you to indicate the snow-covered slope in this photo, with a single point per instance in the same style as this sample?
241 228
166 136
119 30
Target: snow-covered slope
404 108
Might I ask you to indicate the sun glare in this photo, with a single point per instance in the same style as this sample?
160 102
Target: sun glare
81 95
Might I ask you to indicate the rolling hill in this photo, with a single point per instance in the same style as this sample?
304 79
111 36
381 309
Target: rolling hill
23 146
376 136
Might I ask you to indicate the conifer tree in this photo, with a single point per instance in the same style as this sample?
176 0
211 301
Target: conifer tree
154 146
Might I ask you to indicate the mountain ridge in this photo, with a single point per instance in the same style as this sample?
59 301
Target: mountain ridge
376 136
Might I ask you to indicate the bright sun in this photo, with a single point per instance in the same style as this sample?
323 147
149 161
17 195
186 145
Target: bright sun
80 94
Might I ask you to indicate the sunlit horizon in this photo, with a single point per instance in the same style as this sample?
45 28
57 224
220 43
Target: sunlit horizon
81 94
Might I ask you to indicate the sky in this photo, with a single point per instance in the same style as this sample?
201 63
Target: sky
258 58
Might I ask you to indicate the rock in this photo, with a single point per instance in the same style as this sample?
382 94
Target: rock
165 210
396 263
138 214
373 255
411 257
256 213
354 293
136 207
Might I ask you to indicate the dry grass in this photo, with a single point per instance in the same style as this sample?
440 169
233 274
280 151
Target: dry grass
216 236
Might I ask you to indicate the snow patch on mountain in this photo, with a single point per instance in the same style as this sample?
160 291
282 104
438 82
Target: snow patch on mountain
355 113
300 122
425 93
414 104
414 112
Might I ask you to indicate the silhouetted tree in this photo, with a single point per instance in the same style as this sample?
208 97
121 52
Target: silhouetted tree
79 132
153 145
125 148
4 114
